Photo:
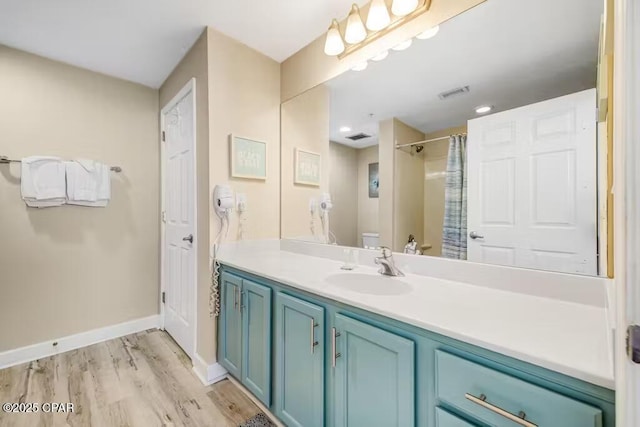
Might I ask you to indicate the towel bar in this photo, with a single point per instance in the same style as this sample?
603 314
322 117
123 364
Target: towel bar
5 159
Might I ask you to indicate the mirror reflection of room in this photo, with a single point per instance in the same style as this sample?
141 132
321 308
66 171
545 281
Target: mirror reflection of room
483 149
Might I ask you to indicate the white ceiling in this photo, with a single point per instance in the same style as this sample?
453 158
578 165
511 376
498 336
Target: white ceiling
143 40
510 52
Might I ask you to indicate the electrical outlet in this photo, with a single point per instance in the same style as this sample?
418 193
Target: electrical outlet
241 201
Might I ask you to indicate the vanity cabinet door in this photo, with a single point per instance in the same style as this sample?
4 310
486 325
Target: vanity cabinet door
374 376
230 324
300 351
255 306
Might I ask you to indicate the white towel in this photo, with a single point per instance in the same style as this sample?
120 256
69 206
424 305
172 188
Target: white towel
88 183
43 181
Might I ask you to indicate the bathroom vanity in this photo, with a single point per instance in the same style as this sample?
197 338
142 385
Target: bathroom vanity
321 346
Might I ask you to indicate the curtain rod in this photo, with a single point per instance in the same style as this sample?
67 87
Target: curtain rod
5 159
411 144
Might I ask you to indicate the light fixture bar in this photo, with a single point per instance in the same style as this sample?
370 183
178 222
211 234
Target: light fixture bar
421 9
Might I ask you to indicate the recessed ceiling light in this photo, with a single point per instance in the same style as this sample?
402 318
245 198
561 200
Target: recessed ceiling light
345 129
484 109
428 33
380 56
404 45
361 66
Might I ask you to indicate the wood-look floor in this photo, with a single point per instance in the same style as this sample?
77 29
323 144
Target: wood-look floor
143 379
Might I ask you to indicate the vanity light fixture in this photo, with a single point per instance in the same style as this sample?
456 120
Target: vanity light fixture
403 46
483 109
380 56
355 31
360 67
344 129
378 17
428 33
379 23
403 7
334 45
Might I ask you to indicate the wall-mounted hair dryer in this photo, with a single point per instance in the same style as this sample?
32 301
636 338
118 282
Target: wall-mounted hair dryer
325 205
222 200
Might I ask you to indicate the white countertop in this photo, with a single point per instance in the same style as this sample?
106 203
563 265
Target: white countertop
566 337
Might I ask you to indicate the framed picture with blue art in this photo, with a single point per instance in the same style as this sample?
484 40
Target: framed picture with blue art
248 158
374 181
307 168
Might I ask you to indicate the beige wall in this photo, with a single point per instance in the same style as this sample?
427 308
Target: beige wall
305 124
368 208
71 269
244 99
310 67
237 91
386 170
195 65
343 186
408 188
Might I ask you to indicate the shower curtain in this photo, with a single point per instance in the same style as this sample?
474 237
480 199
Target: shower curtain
454 232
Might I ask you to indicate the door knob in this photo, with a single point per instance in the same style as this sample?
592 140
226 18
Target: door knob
475 235
189 238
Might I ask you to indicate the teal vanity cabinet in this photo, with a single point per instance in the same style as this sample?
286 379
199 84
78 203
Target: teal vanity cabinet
299 351
500 400
374 375
245 333
337 365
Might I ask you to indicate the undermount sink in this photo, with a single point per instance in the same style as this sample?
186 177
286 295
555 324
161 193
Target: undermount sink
372 284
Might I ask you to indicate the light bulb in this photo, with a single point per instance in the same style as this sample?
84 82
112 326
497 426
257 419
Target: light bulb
380 56
404 45
360 67
428 33
355 31
378 17
484 109
403 7
334 45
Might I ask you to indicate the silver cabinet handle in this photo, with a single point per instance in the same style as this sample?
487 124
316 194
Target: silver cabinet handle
518 419
235 298
314 343
241 299
334 355
474 235
188 238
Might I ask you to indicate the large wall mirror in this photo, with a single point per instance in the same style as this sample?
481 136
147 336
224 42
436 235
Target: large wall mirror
481 143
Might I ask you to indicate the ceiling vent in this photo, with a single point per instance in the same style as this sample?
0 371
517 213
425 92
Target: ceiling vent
358 136
454 92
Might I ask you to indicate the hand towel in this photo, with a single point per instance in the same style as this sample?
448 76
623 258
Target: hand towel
88 183
43 181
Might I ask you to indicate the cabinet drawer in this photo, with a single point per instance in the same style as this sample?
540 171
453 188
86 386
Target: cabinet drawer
491 396
445 419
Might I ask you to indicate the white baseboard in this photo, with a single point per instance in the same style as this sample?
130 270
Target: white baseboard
208 374
45 349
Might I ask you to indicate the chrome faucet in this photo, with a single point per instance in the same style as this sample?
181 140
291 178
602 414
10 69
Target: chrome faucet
387 265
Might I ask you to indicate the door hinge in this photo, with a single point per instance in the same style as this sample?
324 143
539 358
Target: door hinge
163 294
163 216
633 343
163 137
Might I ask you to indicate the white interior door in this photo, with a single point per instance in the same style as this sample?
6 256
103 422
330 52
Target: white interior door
179 257
532 186
626 110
